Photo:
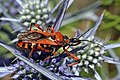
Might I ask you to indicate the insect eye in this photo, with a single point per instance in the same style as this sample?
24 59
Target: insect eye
53 37
65 37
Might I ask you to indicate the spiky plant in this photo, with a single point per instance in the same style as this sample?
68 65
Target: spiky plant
90 51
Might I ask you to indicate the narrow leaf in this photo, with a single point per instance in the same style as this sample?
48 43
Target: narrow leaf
15 26
13 41
111 60
78 78
93 31
55 8
111 46
4 71
113 55
3 74
46 2
20 3
97 76
78 33
86 33
60 15
10 19
69 4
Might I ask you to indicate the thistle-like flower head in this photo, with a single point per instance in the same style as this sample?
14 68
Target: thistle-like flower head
34 12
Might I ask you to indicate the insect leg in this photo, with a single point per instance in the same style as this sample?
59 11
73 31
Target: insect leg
73 63
52 29
32 49
72 56
53 53
30 54
36 25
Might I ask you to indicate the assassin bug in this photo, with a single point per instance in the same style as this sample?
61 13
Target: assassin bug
33 34
48 41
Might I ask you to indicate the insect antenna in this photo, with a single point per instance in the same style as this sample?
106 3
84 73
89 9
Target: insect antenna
77 41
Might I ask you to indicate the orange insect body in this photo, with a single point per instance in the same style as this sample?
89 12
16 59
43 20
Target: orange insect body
48 41
36 45
43 44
